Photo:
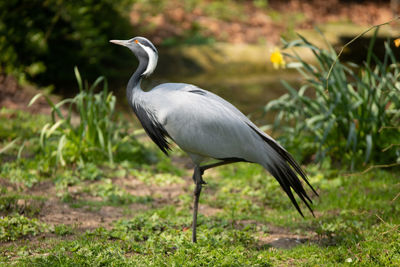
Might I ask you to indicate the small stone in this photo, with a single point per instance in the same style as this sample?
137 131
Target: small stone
349 260
21 202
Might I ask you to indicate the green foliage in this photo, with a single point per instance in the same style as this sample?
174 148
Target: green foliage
17 226
62 230
16 123
90 172
26 172
97 135
18 129
260 3
43 40
219 10
352 118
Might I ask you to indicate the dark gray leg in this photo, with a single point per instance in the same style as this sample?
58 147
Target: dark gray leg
198 181
206 167
197 190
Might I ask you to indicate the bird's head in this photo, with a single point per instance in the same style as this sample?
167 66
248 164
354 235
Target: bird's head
144 50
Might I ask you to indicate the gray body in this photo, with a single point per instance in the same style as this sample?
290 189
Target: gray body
204 125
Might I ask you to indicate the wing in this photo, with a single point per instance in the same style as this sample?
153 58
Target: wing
154 129
201 124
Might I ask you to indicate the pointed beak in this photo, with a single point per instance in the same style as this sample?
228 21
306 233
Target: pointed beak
120 42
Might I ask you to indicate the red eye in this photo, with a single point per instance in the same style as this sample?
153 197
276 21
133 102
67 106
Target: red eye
136 41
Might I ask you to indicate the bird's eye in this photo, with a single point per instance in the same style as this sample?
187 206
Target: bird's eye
136 41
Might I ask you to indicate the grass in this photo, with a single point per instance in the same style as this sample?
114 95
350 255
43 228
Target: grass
360 226
140 215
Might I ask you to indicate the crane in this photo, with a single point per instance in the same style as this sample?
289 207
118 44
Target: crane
206 127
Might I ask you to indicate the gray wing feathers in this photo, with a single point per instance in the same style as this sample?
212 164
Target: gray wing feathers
152 126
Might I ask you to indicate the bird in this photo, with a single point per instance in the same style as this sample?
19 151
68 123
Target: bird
206 127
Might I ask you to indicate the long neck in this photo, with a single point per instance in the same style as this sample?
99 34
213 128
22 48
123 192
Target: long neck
134 82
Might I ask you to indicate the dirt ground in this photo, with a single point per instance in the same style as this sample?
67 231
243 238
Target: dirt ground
54 212
15 96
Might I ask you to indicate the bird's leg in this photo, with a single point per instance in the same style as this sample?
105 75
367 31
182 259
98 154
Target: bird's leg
197 190
198 181
209 166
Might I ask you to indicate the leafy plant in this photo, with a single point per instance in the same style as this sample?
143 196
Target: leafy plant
351 116
17 226
62 230
94 134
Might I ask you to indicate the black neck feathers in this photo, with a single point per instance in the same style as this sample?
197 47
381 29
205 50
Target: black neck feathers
134 81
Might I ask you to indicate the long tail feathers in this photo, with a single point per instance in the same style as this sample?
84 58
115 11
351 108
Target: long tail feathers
288 181
284 169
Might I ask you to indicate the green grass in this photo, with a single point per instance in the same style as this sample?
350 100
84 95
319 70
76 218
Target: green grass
356 221
18 226
128 214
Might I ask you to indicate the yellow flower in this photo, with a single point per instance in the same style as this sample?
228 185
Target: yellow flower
277 59
397 42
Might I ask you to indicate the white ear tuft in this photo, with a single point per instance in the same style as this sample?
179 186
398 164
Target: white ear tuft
153 57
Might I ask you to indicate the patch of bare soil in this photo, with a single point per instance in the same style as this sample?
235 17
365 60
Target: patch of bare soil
208 210
164 195
161 194
279 237
283 241
54 212
282 238
8 185
15 96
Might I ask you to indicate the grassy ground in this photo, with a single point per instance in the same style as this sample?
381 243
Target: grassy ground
140 215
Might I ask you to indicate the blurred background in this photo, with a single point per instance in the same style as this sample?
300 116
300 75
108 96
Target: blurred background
222 46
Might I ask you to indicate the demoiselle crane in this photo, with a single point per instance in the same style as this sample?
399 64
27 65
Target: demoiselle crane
206 127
